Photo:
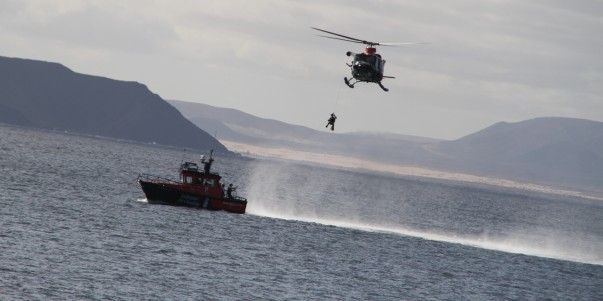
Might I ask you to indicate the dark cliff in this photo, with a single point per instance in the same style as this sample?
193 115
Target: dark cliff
51 96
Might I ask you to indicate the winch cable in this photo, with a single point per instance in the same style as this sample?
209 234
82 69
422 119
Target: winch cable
337 98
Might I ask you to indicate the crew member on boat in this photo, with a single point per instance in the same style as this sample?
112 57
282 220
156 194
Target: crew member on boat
229 190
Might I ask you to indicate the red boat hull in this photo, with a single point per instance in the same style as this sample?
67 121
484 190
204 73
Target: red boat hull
176 194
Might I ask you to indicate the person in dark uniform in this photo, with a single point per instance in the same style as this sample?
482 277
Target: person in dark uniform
229 190
331 121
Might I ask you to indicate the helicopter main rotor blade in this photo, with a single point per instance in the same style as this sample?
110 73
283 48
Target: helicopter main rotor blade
359 41
335 38
340 35
394 44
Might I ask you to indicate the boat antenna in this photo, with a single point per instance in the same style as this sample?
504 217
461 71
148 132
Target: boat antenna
207 164
183 154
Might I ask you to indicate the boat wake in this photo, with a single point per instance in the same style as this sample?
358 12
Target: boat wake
271 194
507 244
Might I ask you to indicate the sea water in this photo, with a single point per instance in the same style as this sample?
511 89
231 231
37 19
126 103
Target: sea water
74 224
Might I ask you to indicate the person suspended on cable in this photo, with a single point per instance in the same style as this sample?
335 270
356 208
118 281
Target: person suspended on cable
331 121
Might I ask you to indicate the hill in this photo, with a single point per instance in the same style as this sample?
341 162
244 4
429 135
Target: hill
551 149
237 126
51 96
557 151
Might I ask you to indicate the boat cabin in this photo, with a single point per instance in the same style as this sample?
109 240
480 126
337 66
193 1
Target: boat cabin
206 180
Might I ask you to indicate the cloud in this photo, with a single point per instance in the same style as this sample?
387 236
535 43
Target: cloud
90 25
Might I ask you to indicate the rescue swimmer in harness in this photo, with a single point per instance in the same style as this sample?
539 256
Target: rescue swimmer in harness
331 121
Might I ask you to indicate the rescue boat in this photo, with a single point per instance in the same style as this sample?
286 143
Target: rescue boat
196 188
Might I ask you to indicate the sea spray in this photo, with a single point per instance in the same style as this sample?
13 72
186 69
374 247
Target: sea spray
362 201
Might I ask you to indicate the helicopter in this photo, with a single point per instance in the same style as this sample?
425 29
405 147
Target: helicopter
366 66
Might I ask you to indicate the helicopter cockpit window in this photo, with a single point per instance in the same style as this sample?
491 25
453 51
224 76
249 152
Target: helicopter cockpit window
360 58
371 59
363 59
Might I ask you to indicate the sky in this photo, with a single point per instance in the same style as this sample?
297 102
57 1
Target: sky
485 61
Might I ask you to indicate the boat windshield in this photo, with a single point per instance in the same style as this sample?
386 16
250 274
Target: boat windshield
189 166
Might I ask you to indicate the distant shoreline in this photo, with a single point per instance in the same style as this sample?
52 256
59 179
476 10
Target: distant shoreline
400 170
339 161
106 138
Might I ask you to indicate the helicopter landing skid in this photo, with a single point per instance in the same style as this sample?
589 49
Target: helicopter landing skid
347 82
382 87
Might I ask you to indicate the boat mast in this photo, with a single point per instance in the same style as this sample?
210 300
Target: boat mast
207 164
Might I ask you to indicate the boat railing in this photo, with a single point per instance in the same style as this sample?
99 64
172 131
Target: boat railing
234 197
238 198
153 178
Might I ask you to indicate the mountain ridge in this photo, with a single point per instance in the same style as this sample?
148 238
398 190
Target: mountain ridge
51 96
566 152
